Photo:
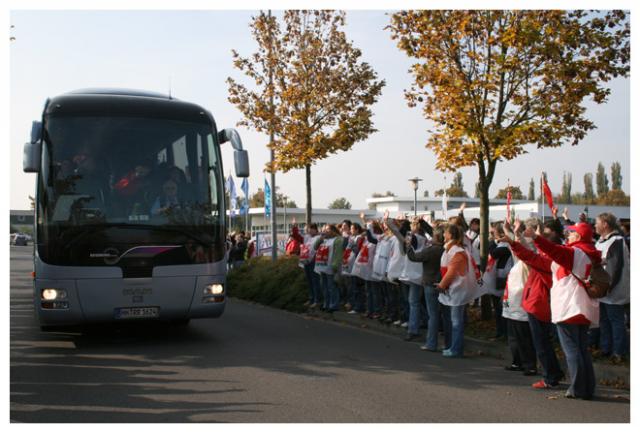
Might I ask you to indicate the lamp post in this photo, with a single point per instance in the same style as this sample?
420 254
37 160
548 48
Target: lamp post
414 184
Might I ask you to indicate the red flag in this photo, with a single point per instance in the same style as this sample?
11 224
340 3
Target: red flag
547 193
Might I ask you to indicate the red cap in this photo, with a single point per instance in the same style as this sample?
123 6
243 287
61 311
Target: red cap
583 229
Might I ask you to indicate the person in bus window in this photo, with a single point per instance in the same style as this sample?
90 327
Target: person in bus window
167 200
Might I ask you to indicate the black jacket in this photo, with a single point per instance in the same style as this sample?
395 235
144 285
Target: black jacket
430 258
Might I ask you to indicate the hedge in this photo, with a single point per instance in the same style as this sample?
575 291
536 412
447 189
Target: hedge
279 284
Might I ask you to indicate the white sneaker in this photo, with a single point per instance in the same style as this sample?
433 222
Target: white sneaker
405 324
397 322
352 312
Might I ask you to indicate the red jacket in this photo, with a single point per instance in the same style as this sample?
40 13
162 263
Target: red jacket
535 297
293 245
563 256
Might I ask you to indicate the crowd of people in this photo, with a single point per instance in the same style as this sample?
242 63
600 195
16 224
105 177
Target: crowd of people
415 273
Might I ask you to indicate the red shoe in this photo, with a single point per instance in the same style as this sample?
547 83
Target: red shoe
541 384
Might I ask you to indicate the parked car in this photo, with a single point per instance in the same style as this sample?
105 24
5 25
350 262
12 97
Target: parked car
21 240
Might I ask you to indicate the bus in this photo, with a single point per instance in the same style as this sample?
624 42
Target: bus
129 208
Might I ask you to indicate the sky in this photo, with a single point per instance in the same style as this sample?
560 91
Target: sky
189 52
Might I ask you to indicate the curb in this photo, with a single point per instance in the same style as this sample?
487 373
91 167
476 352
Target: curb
606 374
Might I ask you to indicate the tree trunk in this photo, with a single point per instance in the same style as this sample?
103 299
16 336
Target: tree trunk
485 301
307 171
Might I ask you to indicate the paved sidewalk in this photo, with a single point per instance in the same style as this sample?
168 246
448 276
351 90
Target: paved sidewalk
607 374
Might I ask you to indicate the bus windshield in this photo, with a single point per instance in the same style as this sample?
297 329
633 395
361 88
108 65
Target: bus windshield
122 182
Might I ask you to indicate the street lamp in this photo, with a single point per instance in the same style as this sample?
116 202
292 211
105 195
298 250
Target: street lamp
414 185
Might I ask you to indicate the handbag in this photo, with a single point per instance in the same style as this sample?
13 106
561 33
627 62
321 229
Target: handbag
598 283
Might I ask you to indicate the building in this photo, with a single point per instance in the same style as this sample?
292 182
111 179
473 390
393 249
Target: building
22 220
258 223
522 209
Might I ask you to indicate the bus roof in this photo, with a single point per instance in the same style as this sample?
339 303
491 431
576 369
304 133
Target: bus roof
118 91
125 102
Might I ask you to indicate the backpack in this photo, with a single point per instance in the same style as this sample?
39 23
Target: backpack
598 283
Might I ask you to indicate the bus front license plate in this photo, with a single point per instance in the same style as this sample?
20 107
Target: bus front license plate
137 313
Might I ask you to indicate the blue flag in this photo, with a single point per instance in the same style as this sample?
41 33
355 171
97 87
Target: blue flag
233 197
267 199
245 189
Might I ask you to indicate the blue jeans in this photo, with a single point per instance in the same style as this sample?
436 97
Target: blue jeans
395 298
356 295
433 309
542 334
373 296
405 308
331 292
575 345
415 291
613 331
457 330
313 281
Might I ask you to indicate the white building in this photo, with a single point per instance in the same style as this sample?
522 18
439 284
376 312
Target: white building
497 209
429 206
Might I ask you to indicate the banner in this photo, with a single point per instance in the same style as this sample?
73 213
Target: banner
233 197
245 190
267 200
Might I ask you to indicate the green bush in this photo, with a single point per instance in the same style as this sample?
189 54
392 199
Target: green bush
279 284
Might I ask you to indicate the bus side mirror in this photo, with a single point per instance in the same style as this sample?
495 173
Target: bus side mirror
240 156
241 160
33 150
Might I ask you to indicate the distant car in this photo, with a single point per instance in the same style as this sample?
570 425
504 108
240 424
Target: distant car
21 240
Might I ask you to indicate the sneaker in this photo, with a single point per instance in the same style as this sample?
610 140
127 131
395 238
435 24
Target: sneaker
375 316
411 337
397 322
541 384
404 325
314 305
532 372
423 347
352 312
348 307
308 303
449 354
513 367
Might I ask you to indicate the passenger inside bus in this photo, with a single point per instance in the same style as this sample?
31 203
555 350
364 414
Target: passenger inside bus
168 200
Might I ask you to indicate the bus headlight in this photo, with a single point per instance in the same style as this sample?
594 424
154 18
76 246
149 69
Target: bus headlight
213 290
53 294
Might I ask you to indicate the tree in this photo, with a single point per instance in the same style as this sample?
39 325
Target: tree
589 196
456 189
257 199
493 82
532 191
565 197
384 194
614 197
602 182
516 193
616 176
340 203
321 89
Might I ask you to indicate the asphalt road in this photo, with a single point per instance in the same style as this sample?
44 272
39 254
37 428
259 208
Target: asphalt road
257 364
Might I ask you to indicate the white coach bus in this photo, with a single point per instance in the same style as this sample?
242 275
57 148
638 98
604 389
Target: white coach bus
129 208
